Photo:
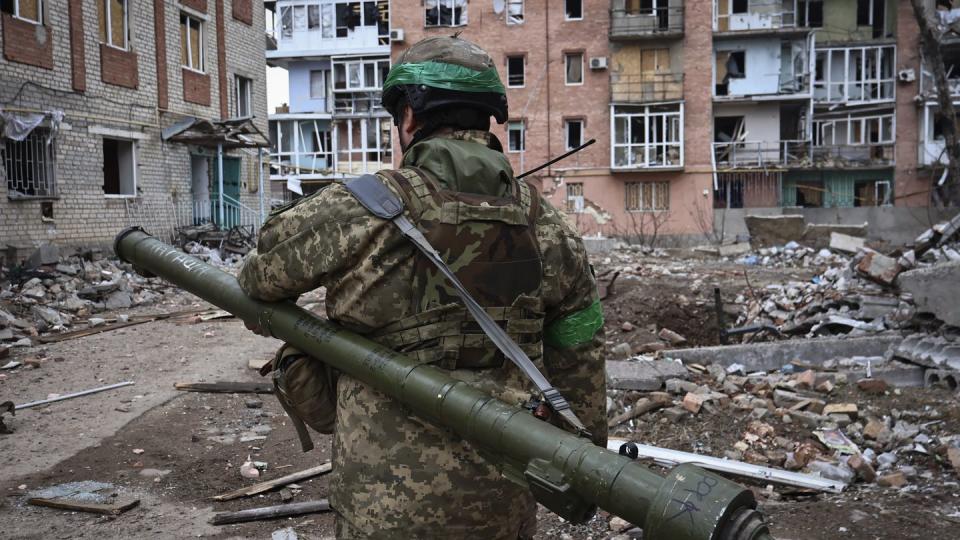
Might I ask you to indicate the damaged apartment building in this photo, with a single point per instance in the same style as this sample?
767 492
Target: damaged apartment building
816 107
337 56
129 112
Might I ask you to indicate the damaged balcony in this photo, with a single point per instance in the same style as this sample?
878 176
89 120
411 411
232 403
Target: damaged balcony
950 49
766 68
303 27
762 16
647 137
645 87
744 155
300 147
933 146
854 140
645 19
855 75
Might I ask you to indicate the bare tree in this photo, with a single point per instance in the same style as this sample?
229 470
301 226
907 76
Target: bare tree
930 45
705 221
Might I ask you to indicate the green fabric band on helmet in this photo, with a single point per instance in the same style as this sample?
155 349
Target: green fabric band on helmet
447 76
575 329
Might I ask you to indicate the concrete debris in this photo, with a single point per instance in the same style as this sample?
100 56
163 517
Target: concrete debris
644 374
846 243
879 268
935 290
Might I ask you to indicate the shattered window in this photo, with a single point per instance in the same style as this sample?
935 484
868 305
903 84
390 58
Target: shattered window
515 71
574 9
514 11
575 197
647 136
313 17
445 13
574 133
286 22
516 136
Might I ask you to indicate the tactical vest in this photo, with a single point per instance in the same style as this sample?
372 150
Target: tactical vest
490 244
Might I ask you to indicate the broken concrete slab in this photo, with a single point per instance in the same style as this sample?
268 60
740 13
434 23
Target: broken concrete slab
846 243
767 231
942 377
644 375
774 355
929 351
818 235
935 289
43 255
879 268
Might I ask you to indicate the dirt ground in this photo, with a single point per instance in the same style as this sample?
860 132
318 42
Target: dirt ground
192 443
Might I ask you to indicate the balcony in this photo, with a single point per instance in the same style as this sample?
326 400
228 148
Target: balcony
646 87
632 19
839 156
357 104
855 75
744 155
755 16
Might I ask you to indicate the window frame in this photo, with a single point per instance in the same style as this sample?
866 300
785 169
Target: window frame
628 112
323 85
566 68
108 30
511 125
567 11
40 135
659 191
577 198
510 20
200 37
566 131
239 82
134 155
40 13
463 15
523 70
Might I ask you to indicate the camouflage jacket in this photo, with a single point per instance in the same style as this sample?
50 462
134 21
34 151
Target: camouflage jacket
394 475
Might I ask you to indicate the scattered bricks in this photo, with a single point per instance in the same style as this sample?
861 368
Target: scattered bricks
626 327
879 268
894 480
816 406
669 335
619 524
872 386
786 399
621 350
694 402
826 387
862 467
807 379
841 408
846 243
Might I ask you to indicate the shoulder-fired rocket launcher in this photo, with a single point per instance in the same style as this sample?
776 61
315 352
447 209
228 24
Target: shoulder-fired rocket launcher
566 473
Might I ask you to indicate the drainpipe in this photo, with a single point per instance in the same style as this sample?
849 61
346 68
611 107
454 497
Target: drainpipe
220 181
260 180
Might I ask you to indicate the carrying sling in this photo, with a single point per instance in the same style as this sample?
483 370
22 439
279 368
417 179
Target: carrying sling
383 203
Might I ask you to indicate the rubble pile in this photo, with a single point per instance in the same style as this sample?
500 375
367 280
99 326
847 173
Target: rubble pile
232 243
856 296
792 255
52 294
795 419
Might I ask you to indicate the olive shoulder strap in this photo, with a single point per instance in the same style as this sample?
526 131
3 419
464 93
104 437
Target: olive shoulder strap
383 203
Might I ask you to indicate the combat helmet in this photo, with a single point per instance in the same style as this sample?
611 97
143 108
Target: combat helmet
449 76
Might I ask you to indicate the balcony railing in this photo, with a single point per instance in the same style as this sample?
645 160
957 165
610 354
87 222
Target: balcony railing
761 15
357 103
854 155
645 87
305 163
761 154
928 86
638 23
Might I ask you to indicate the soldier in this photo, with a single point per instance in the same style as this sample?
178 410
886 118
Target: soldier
396 476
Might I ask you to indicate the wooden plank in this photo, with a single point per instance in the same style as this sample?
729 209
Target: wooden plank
133 321
227 387
76 506
262 487
271 512
657 400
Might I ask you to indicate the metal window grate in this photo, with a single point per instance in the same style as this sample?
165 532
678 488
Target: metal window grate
30 165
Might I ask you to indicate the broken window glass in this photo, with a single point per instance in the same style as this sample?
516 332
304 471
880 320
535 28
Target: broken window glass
313 17
286 22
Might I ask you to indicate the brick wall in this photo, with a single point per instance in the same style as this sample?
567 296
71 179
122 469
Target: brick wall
243 11
118 67
911 187
27 43
78 68
83 215
196 86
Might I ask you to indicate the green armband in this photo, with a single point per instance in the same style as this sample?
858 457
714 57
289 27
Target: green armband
575 329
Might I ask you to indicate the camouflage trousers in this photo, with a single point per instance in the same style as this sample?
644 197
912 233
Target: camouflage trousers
345 531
